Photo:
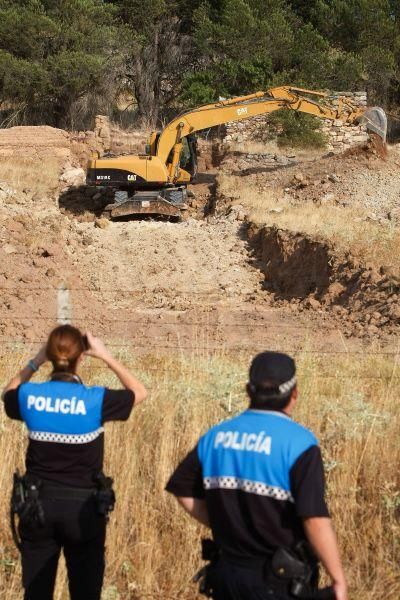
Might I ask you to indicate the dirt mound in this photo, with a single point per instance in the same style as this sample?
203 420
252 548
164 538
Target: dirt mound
35 259
309 273
358 178
44 143
375 146
35 142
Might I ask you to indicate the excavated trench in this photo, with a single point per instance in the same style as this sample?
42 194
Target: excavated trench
294 265
299 269
310 272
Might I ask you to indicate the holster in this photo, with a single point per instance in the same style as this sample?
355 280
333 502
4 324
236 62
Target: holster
299 568
25 502
211 553
104 494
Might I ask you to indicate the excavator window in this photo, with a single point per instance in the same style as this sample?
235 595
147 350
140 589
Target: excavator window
154 143
185 157
188 158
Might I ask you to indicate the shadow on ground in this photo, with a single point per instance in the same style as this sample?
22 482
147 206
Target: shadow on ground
81 200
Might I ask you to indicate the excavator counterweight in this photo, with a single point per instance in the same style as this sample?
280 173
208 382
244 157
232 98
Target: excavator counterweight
155 183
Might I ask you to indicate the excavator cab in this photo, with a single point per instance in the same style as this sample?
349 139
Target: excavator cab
188 157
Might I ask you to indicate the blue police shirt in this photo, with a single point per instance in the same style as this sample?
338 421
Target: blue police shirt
260 474
65 427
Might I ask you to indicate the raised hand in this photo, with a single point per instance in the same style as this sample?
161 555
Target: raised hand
96 347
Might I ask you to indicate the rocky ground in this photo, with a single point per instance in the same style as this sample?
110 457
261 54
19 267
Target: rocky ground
304 270
359 176
150 284
201 283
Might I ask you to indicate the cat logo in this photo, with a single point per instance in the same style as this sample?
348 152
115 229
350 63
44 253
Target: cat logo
131 177
242 111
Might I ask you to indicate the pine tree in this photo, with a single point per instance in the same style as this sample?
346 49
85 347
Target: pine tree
56 58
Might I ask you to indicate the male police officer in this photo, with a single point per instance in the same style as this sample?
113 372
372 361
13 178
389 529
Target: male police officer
257 480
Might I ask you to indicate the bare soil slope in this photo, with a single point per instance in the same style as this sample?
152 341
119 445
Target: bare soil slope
149 284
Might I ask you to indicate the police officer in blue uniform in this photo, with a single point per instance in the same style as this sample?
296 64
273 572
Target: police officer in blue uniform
64 497
257 481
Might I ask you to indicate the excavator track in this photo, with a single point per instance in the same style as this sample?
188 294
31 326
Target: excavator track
147 203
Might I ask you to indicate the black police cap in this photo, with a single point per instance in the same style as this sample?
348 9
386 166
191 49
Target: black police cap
273 371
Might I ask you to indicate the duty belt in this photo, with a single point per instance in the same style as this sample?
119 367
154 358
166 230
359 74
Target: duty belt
102 493
294 572
50 492
29 491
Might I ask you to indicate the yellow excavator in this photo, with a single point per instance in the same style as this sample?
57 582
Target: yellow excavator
155 183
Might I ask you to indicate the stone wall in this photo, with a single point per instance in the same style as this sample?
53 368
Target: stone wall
340 135
106 138
87 144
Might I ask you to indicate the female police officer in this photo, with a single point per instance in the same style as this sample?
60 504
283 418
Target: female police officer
64 460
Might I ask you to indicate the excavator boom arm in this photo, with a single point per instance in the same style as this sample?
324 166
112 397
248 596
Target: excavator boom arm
244 107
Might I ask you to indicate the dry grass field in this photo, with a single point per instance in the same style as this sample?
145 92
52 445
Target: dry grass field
350 401
21 173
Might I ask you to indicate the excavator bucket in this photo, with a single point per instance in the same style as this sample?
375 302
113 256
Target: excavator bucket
376 121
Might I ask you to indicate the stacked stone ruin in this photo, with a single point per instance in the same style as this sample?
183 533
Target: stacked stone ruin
340 136
107 137
88 144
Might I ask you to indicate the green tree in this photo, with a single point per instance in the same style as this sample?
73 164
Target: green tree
241 48
159 52
57 59
303 8
251 45
368 30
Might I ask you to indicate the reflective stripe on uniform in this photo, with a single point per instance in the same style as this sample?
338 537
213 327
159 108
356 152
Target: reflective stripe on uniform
247 485
65 438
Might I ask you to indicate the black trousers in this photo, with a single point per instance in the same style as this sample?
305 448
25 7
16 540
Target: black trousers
75 527
231 581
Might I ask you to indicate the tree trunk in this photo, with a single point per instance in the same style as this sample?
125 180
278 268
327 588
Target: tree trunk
60 115
147 85
158 69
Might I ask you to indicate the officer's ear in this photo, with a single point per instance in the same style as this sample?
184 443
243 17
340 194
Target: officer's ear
292 402
250 389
